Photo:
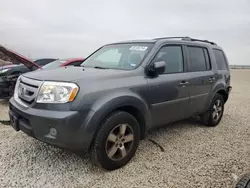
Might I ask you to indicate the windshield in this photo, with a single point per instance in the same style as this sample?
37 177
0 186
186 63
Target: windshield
53 65
118 56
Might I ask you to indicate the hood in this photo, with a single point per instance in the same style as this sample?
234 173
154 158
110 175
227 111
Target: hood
74 74
17 58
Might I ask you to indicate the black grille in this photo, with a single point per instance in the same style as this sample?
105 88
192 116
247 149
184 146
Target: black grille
29 84
27 90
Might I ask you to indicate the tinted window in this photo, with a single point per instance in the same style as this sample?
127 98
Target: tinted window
208 62
197 59
173 57
220 60
42 62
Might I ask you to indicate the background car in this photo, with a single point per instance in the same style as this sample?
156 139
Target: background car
63 63
44 61
9 73
20 68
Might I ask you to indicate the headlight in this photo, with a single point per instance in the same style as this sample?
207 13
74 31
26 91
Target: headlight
57 92
4 70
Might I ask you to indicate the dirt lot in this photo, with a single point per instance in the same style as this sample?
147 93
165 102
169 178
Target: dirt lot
194 156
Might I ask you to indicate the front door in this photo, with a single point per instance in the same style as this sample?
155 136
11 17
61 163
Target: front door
169 92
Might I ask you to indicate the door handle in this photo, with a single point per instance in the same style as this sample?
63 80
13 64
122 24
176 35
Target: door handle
211 79
184 83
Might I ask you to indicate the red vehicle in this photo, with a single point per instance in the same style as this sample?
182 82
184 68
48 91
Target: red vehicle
63 62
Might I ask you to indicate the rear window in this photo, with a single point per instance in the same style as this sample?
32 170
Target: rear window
75 63
220 60
198 58
54 64
42 62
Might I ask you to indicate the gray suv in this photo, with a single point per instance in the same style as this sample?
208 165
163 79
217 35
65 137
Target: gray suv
122 90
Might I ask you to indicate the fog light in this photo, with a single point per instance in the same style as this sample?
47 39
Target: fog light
52 131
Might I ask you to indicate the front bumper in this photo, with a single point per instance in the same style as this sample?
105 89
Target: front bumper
71 126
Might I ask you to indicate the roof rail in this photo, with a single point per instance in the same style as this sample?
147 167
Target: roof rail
187 39
172 38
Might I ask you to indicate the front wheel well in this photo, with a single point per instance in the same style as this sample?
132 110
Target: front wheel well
138 116
224 94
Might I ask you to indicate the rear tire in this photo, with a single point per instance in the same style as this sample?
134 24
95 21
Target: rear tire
244 182
116 141
215 112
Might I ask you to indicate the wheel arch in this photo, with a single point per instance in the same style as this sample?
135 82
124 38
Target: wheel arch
220 88
224 93
129 103
138 116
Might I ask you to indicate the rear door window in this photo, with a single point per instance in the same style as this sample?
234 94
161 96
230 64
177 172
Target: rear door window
220 59
197 59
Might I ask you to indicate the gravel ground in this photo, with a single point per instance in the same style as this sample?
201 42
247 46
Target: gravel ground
194 156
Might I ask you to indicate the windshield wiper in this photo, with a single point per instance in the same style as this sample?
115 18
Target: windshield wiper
98 67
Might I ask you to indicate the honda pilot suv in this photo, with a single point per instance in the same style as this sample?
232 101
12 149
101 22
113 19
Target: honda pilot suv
122 90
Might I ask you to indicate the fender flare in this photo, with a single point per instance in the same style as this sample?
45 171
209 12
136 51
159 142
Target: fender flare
107 104
216 89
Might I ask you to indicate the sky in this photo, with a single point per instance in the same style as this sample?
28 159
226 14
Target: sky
65 29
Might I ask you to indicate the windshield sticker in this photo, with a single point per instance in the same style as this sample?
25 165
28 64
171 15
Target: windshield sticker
133 65
139 48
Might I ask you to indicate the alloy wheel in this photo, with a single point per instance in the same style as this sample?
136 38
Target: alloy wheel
119 142
217 110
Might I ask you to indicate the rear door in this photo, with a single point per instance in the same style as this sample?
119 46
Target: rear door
202 77
169 92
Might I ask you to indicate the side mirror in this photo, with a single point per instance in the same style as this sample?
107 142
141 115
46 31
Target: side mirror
156 68
159 67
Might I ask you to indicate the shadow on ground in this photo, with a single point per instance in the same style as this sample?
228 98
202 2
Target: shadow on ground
52 152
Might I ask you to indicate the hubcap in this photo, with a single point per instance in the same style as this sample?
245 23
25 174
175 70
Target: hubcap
217 110
119 142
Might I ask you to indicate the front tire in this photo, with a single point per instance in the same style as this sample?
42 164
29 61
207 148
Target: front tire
116 141
215 112
244 182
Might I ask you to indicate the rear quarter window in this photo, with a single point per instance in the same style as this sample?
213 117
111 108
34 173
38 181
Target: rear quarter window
220 59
